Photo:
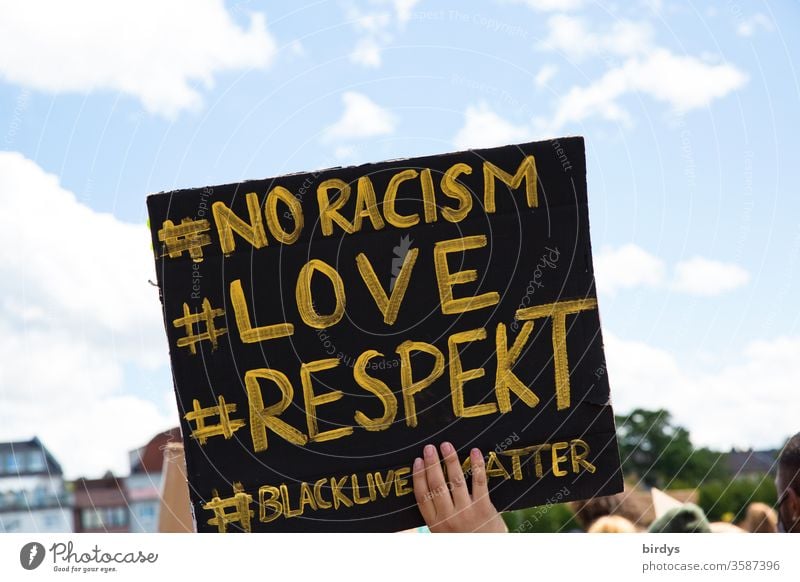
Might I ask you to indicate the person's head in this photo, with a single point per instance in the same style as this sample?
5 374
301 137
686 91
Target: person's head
612 524
760 518
788 484
688 518
587 511
590 510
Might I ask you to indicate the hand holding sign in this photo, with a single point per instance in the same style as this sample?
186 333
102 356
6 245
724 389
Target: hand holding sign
446 504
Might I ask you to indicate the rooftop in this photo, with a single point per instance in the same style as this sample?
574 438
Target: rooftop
751 462
22 458
150 458
107 491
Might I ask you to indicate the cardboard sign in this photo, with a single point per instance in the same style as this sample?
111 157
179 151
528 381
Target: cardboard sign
324 327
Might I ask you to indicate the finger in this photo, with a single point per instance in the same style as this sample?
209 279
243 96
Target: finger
480 487
422 493
436 483
455 476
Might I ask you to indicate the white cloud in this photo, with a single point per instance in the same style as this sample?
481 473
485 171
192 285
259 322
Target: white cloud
362 118
683 82
402 10
571 36
626 267
367 52
376 26
699 276
545 75
749 26
749 402
372 22
483 128
155 51
630 266
77 313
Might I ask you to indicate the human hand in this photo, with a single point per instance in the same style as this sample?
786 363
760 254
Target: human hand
447 506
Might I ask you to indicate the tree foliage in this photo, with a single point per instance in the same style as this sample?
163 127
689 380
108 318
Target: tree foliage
656 452
553 518
722 498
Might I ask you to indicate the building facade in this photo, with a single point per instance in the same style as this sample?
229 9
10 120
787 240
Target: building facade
33 494
101 505
34 497
143 485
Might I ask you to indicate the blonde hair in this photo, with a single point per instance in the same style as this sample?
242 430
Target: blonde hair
760 518
612 524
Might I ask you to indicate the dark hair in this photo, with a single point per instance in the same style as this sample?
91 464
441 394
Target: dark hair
789 462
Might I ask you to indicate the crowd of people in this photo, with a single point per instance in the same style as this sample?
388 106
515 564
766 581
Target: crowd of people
447 505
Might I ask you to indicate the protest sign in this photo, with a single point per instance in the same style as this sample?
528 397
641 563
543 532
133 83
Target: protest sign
323 327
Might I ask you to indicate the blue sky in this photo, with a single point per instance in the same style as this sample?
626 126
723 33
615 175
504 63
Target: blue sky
690 113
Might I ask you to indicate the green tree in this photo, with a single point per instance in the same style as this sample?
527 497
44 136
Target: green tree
721 497
659 453
554 518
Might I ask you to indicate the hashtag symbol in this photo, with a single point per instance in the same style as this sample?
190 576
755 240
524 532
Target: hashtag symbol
239 502
226 426
187 236
189 320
